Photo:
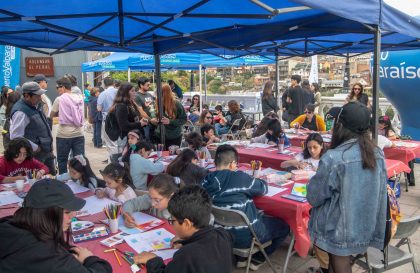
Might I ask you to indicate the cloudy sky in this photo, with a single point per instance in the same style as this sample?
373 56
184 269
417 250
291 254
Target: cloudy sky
411 7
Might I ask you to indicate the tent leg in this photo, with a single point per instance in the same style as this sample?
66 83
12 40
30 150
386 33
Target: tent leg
205 85
200 87
375 82
277 76
159 98
129 75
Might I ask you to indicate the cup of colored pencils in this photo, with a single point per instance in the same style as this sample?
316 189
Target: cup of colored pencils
256 167
112 212
159 150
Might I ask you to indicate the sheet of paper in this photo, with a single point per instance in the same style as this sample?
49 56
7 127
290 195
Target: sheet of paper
95 205
140 218
274 190
299 189
76 188
166 254
9 197
260 145
150 240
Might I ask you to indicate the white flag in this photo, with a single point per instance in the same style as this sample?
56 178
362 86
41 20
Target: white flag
313 76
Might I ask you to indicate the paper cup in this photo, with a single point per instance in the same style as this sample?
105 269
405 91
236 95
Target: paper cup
159 153
113 225
257 173
203 163
19 185
281 147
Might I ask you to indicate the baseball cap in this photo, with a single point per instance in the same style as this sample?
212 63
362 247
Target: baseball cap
47 193
355 116
32 88
39 78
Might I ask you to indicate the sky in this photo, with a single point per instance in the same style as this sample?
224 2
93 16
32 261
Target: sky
411 7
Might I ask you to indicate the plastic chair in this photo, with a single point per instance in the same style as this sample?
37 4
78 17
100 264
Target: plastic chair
396 257
235 218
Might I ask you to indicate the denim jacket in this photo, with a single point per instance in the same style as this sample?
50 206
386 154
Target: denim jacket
349 202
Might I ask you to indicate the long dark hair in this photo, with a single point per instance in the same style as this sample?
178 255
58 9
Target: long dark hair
86 172
315 137
192 102
268 90
45 224
367 148
12 98
180 163
262 126
195 140
275 126
352 93
388 125
165 184
117 172
123 95
13 149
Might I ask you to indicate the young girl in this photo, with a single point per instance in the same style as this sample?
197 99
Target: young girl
35 236
309 158
133 137
119 186
195 143
161 188
18 162
185 166
208 134
385 128
272 135
81 172
141 166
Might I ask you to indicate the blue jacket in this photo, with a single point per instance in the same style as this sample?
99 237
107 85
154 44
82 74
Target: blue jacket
349 202
93 112
235 190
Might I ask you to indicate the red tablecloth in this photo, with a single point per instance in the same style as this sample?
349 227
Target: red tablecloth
394 167
404 154
270 158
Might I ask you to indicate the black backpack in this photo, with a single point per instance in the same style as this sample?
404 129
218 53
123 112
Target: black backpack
111 126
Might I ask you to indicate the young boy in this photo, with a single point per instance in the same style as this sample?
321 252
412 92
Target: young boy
95 117
207 131
234 189
204 248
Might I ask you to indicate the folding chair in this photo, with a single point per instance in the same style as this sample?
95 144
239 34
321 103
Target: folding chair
235 218
396 257
232 132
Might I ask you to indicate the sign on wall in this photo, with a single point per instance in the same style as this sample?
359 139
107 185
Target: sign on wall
10 66
39 65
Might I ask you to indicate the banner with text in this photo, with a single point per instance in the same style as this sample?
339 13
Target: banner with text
10 66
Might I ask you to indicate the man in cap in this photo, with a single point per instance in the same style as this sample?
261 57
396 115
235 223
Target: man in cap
46 104
29 122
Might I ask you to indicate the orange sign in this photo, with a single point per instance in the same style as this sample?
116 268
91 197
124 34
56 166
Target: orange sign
39 65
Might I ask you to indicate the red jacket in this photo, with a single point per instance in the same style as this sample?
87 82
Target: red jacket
11 168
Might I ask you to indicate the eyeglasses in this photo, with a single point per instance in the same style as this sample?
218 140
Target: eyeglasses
171 221
308 112
58 86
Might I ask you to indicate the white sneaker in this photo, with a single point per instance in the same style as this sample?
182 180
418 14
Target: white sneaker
254 266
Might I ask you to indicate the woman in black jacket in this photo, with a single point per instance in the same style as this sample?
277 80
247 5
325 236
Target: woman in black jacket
185 167
269 103
34 238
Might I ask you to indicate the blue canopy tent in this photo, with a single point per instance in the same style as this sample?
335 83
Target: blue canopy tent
251 26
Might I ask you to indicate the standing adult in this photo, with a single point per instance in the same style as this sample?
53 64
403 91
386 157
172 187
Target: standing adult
317 96
68 106
128 115
295 98
176 89
349 215
74 88
105 101
145 100
46 104
86 94
12 98
268 101
173 118
357 94
309 95
29 122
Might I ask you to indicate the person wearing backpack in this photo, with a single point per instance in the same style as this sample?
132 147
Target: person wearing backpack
69 109
348 193
124 115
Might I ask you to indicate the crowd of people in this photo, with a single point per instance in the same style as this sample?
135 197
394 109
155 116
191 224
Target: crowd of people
345 220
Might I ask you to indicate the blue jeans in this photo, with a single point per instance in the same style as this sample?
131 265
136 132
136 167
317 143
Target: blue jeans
64 145
221 130
97 138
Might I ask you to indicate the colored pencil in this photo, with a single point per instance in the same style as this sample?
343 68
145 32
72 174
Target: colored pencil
118 259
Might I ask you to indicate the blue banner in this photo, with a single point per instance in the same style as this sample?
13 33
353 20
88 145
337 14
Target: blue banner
10 66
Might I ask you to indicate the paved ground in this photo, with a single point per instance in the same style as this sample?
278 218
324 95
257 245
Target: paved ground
409 202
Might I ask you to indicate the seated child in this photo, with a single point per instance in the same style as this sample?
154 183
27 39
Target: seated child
309 158
133 137
161 188
203 247
235 189
219 115
81 172
34 239
119 186
262 126
207 132
141 166
18 162
385 128
195 143
273 134
185 167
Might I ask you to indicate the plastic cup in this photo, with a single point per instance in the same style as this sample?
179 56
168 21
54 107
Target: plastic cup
19 185
203 162
281 147
113 225
159 153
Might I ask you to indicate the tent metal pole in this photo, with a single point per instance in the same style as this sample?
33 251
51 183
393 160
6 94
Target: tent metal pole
205 85
375 82
159 98
346 81
129 75
200 87
277 75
